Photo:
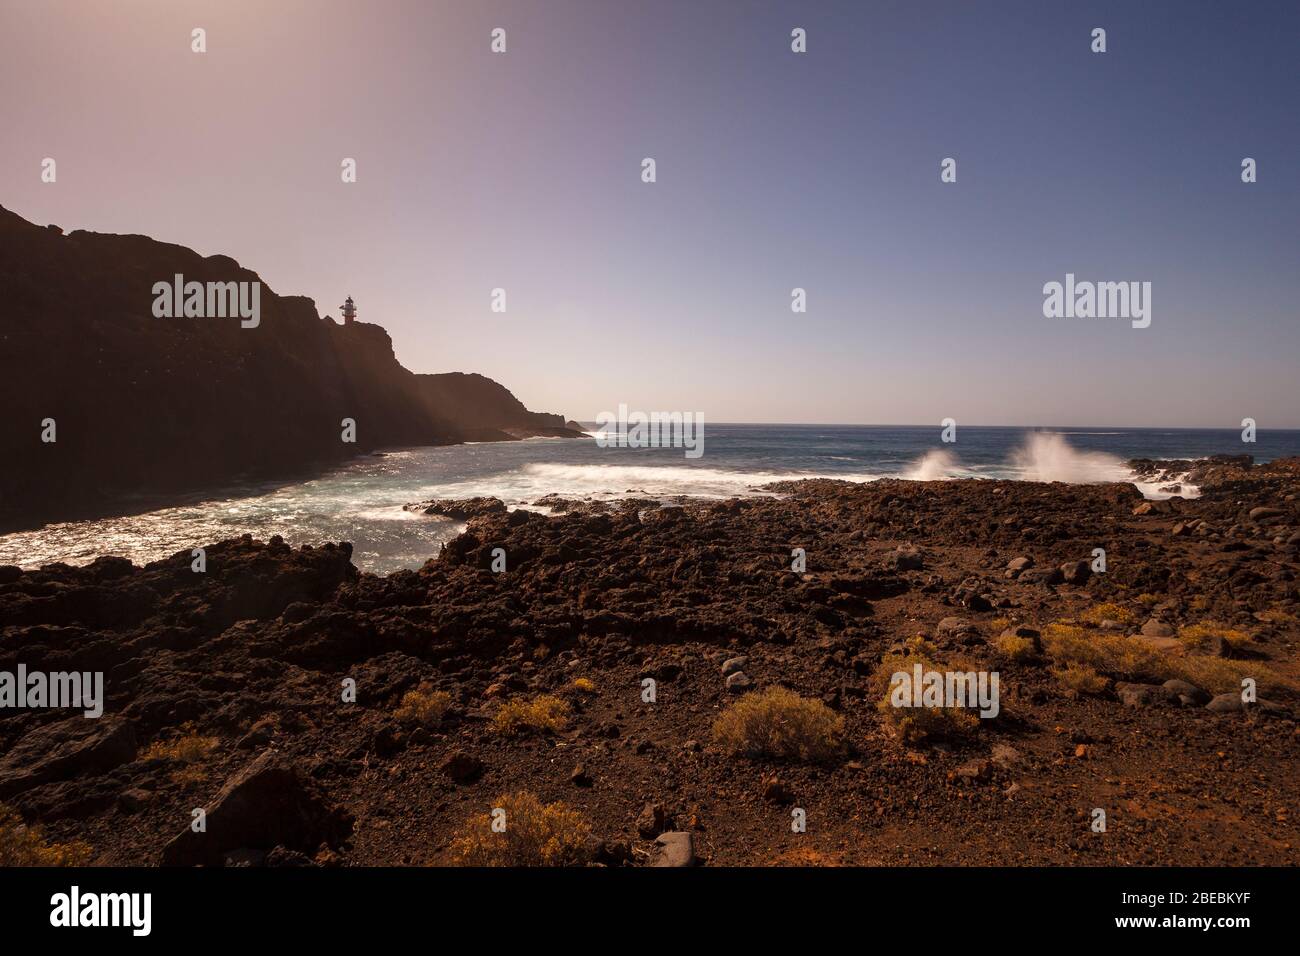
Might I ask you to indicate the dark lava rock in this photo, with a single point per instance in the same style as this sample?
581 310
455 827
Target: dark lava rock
460 509
268 803
1144 695
462 767
65 749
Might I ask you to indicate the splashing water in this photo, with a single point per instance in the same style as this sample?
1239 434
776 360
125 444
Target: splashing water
935 465
1047 456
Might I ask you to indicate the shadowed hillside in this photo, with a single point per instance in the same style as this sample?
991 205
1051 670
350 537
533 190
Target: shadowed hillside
147 406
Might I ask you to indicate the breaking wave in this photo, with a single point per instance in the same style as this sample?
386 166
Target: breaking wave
1047 456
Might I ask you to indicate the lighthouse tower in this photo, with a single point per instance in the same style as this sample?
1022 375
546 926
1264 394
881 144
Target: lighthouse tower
349 311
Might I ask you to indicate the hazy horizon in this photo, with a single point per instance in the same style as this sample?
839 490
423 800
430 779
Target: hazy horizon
775 170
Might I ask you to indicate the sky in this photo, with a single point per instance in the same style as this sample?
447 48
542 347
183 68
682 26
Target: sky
775 170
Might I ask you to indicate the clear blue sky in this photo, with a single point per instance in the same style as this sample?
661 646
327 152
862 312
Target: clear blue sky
775 170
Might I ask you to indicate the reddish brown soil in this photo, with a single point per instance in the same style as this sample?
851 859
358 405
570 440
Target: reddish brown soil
269 633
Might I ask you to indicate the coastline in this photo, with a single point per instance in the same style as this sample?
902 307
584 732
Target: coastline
251 656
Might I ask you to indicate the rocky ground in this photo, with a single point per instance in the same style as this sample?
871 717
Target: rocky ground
225 689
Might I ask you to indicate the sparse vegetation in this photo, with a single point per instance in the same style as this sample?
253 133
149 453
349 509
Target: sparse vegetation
541 713
1101 613
583 685
23 845
534 834
189 749
777 722
424 706
1201 635
1079 679
1124 658
916 724
1013 648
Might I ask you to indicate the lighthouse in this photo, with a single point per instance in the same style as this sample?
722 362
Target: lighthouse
349 311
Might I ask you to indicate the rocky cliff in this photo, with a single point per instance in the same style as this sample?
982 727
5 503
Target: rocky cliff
144 407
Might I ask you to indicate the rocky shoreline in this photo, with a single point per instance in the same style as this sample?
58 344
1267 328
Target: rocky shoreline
524 689
110 408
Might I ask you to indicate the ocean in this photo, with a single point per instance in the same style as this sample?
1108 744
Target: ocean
361 501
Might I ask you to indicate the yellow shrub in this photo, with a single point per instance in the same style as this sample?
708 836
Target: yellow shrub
583 685
1107 612
1200 635
1080 679
535 834
189 747
1015 648
424 705
1130 659
915 724
777 722
21 845
541 713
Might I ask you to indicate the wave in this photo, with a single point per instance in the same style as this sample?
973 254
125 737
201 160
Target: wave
527 484
933 466
1047 456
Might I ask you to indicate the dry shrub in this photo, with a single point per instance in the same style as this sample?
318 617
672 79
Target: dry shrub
21 845
916 724
1079 679
541 713
777 722
1107 612
424 705
1015 648
1200 635
535 834
189 747
583 685
1126 658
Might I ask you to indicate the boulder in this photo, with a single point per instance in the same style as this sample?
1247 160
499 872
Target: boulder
460 509
268 803
462 767
66 749
1144 695
1076 572
733 664
652 821
1229 703
908 558
738 682
1189 695
676 848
